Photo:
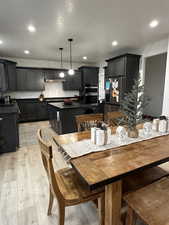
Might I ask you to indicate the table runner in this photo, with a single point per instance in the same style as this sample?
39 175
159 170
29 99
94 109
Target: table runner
80 148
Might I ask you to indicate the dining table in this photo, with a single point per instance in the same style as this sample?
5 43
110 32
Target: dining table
109 168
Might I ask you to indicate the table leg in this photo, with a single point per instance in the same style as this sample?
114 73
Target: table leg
113 195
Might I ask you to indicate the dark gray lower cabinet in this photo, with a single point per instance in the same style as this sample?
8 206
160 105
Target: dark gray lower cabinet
32 110
9 133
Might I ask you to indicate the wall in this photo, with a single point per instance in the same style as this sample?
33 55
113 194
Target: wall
165 110
51 89
154 83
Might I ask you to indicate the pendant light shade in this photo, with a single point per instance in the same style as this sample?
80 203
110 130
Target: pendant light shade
61 74
71 71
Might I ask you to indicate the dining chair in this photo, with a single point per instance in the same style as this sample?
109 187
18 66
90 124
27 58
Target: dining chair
150 203
86 121
65 185
112 118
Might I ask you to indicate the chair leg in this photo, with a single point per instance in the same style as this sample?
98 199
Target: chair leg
101 208
61 214
50 203
130 217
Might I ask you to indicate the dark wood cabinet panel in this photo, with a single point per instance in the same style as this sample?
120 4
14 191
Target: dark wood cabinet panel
89 75
72 82
124 65
11 76
30 79
32 110
9 132
122 71
117 67
3 83
7 75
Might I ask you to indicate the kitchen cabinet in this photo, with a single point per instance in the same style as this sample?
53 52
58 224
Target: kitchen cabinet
7 75
89 75
9 130
32 110
72 82
116 67
30 79
121 73
3 86
124 65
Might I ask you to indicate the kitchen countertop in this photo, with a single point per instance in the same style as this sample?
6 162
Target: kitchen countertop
61 105
8 109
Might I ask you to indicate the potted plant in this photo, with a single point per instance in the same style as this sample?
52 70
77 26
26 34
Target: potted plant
132 106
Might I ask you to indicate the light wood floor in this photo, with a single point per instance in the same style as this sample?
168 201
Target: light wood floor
24 186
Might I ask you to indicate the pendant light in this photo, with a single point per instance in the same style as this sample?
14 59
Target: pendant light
71 71
61 74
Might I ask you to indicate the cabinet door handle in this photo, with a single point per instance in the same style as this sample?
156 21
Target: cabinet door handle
58 116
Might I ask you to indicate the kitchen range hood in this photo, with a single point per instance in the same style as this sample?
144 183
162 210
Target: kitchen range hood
54 80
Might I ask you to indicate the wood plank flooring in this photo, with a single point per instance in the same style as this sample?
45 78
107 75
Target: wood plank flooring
24 186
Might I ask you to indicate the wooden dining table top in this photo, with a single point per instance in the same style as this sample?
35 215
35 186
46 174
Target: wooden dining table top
102 168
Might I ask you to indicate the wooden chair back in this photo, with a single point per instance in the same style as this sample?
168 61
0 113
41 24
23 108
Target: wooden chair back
86 121
112 118
46 154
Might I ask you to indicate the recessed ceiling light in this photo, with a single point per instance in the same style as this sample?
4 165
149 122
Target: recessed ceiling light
154 23
114 43
31 28
27 52
1 42
85 57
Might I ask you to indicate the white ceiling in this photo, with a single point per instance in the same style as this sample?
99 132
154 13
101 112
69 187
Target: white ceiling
93 24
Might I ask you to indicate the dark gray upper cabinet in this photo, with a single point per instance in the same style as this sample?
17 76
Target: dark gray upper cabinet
7 75
3 83
89 75
30 79
72 82
124 65
11 76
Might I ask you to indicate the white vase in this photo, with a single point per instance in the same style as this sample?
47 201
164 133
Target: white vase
100 137
163 126
155 125
121 132
147 127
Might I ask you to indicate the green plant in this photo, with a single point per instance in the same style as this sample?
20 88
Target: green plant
133 104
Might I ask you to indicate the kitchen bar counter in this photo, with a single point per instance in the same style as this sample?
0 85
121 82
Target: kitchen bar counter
61 105
62 117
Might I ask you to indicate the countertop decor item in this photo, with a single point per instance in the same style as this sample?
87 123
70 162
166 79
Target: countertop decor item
101 135
147 128
41 97
155 124
121 132
132 106
68 102
163 124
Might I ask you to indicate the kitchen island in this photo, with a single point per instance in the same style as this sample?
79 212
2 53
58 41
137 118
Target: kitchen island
62 117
